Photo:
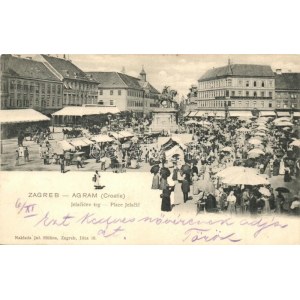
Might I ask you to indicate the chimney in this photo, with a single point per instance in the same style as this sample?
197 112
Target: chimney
278 71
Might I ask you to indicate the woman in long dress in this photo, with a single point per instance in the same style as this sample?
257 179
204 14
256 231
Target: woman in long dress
166 201
231 200
195 184
281 167
155 181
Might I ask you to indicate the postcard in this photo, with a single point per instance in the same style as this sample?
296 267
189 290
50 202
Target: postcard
150 149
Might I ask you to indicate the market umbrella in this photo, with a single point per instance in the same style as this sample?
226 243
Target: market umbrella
295 143
245 178
254 141
283 124
256 152
259 134
243 129
281 119
264 191
234 169
282 189
190 122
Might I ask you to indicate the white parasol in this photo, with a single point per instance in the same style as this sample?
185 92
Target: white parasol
245 178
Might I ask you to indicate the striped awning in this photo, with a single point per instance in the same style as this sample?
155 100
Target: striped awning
283 114
268 113
241 113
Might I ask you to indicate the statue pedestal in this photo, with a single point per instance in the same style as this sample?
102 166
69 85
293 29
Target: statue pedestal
164 119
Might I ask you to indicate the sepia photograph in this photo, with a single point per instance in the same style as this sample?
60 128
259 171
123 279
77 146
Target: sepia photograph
207 145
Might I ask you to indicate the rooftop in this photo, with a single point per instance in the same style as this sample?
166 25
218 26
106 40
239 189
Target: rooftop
287 81
120 80
25 67
66 68
240 70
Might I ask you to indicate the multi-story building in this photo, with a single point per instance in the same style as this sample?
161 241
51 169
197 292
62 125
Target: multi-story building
126 92
78 87
237 88
26 83
287 92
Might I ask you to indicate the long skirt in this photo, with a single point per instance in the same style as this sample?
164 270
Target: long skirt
166 203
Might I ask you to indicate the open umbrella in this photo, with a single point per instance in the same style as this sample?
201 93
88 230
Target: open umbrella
264 191
282 190
254 141
245 178
295 143
243 129
283 124
256 152
234 169
281 119
259 134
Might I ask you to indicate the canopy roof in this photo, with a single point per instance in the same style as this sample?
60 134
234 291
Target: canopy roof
21 116
268 113
86 110
241 113
101 138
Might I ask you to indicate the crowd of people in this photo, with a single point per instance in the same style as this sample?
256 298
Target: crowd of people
259 145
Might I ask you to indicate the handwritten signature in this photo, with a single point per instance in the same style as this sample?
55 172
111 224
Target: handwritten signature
197 229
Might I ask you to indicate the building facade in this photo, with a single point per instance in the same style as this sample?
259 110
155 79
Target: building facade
287 91
126 92
26 83
78 87
237 87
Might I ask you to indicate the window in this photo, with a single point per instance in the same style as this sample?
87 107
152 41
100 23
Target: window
255 94
247 103
119 92
100 92
247 94
240 103
270 94
254 103
240 93
247 83
229 82
111 92
101 102
58 89
262 84
233 93
270 104
263 94
111 102
240 82
270 83
48 88
254 83
262 103
12 85
233 103
53 88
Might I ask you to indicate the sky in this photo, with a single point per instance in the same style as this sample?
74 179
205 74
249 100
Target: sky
177 71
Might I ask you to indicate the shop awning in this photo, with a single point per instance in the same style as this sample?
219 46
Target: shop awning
241 113
65 145
21 116
297 114
283 114
269 113
192 113
86 111
126 134
102 138
80 142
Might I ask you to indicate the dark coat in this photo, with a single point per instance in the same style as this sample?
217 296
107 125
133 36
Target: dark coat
185 186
